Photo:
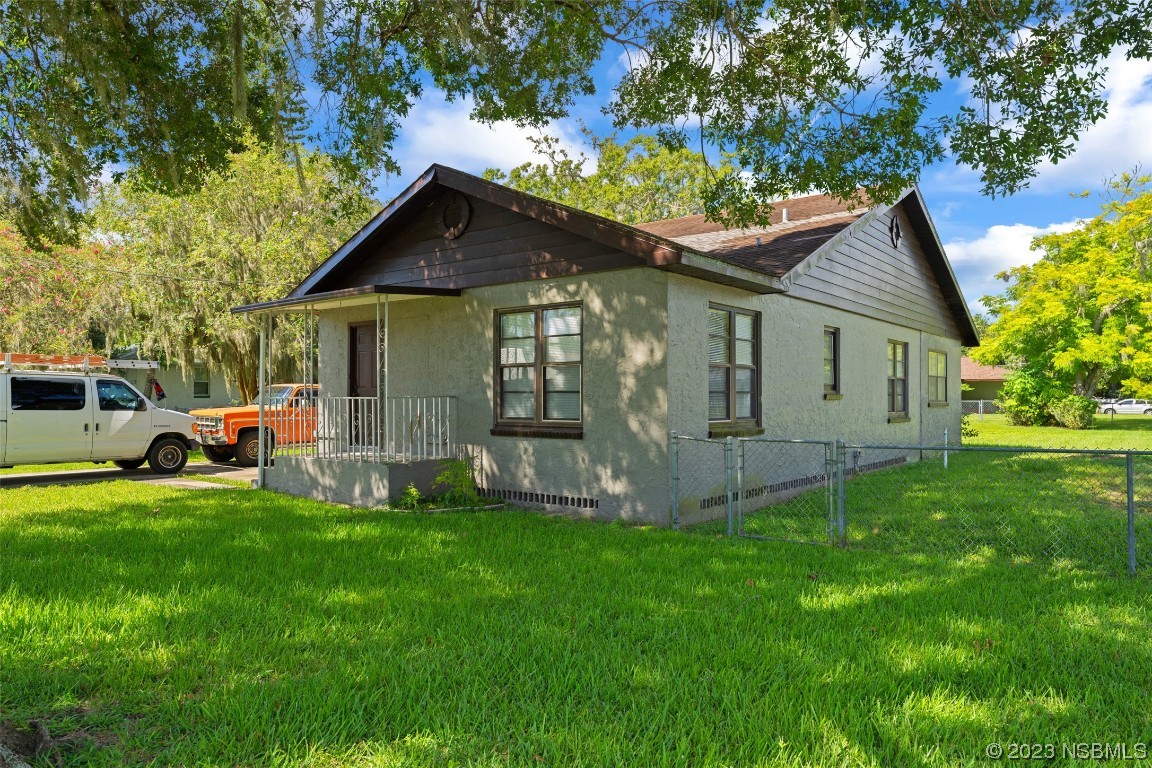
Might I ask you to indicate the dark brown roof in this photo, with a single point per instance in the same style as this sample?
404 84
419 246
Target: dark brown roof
755 259
775 249
970 370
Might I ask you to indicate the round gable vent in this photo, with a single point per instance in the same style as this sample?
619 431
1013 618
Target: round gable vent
454 216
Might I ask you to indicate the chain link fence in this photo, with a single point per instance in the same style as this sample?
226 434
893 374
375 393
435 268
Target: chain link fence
1076 508
979 408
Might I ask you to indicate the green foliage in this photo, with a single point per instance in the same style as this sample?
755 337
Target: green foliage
251 233
1081 316
1073 411
967 428
49 297
1024 399
639 180
827 95
457 479
410 499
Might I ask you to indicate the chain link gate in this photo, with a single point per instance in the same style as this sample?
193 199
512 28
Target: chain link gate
792 484
702 478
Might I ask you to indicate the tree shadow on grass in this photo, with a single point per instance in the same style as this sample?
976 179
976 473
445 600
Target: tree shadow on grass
260 629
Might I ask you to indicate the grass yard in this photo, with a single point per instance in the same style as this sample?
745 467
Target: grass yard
194 457
1070 510
168 627
1018 508
1107 433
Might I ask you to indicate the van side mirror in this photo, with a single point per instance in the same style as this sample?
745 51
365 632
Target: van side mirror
141 404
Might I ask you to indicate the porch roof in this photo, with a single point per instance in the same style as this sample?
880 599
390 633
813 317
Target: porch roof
344 297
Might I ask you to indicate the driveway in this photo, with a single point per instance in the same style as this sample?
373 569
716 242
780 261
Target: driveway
186 479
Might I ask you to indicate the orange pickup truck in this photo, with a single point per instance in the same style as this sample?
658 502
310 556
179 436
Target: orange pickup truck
227 433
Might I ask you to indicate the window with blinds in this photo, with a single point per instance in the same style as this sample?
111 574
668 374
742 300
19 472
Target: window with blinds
897 378
937 376
733 365
538 365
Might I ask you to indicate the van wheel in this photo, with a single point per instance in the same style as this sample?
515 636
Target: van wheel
167 456
248 448
216 455
129 463
1109 411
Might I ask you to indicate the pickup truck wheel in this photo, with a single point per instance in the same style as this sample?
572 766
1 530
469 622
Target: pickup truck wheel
248 448
1109 411
129 463
217 455
167 456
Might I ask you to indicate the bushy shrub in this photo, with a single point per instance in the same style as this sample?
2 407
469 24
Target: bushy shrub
967 428
458 483
1025 400
1074 411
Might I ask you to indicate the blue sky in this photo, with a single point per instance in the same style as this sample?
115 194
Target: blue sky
982 236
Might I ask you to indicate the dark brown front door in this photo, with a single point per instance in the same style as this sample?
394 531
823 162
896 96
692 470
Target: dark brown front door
362 360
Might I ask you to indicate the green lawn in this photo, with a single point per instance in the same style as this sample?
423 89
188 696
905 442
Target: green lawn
231 627
1063 509
1107 433
194 457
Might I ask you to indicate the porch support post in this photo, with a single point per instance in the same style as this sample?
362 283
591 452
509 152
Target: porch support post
383 424
260 376
378 422
312 400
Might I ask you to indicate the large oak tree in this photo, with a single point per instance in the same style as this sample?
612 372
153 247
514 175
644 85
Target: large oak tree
825 94
250 233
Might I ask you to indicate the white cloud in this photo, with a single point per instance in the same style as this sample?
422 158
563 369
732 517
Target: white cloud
1115 144
1119 141
439 131
1001 247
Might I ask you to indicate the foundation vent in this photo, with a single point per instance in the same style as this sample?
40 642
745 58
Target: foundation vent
872 466
797 484
540 499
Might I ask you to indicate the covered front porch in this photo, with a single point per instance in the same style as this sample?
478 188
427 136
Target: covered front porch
358 435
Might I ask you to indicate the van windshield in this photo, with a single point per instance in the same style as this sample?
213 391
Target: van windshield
274 396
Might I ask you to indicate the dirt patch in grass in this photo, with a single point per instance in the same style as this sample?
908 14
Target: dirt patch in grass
24 742
35 740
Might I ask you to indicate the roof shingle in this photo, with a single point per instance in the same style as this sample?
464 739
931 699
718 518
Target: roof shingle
775 249
970 370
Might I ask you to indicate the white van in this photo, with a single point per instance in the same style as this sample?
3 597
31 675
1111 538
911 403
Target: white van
53 417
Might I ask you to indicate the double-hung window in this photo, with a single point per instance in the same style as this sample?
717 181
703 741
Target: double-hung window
733 365
201 383
897 378
937 377
538 366
831 361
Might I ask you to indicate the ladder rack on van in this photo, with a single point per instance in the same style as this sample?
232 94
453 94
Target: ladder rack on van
9 361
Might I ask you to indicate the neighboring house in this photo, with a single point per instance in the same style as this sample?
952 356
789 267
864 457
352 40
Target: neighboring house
184 389
985 380
560 348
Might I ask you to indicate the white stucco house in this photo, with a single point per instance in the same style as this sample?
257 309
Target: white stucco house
560 349
184 388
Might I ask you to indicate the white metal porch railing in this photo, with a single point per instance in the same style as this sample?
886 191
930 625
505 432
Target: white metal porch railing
368 429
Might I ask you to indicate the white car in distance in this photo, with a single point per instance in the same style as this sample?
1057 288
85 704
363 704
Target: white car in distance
1127 406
